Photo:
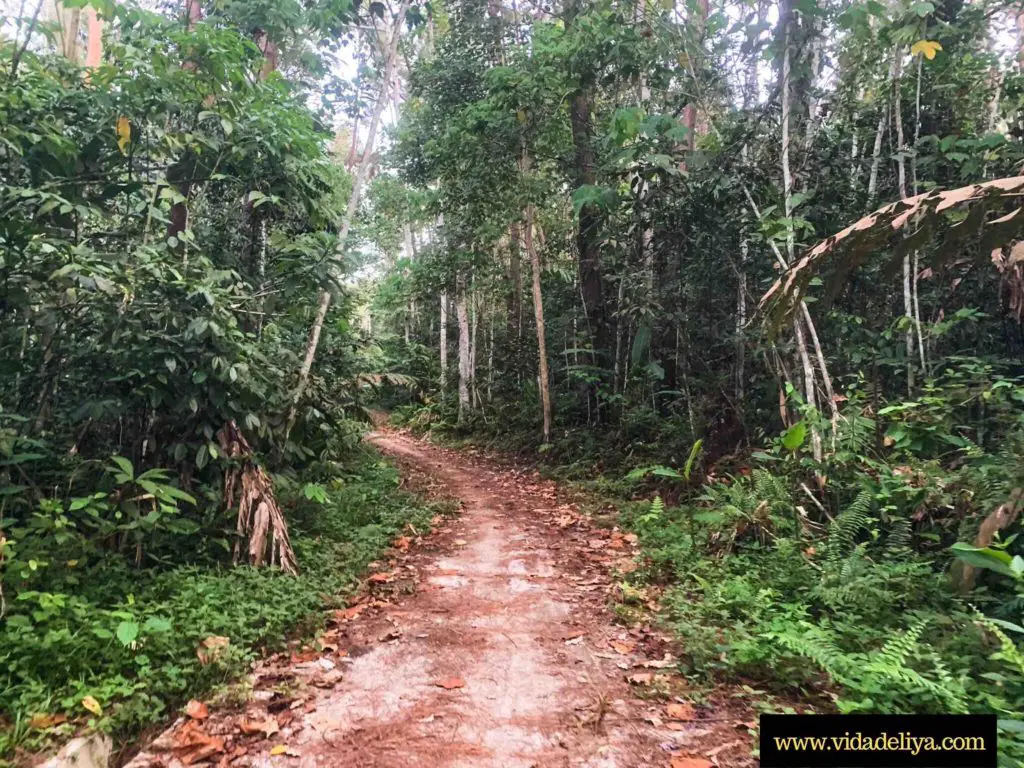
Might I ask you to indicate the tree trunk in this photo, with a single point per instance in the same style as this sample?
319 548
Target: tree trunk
443 343
353 203
94 44
465 371
588 227
543 376
515 274
787 189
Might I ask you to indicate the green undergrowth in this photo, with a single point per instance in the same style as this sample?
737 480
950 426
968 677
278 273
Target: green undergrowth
129 637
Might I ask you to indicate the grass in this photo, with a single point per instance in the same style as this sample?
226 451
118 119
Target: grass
128 638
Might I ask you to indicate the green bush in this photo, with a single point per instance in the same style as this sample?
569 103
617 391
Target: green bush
128 636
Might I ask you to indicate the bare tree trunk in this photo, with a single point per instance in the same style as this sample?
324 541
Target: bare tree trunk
473 325
444 342
787 189
901 175
876 153
465 372
515 297
94 44
543 376
353 203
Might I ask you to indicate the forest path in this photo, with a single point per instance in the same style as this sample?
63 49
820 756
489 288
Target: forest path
487 643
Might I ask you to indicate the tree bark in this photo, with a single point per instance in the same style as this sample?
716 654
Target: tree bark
787 184
465 370
588 227
543 376
443 342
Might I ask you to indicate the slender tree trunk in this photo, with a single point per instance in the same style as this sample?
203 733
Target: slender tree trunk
465 371
901 175
353 203
876 153
94 44
543 376
443 343
588 229
787 184
473 325
515 296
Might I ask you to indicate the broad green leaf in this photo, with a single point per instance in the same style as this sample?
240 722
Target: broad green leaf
794 437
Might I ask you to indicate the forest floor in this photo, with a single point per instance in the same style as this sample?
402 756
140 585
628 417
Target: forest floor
489 642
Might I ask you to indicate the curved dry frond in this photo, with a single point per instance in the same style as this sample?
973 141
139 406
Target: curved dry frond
923 216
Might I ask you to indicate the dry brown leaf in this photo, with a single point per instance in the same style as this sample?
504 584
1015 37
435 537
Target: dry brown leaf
192 744
402 543
381 578
211 648
640 678
350 613
678 711
197 710
450 683
623 646
268 726
41 721
690 762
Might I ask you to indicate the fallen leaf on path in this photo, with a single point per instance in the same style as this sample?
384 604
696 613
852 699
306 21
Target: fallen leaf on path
192 744
381 578
402 543
328 679
574 640
450 683
350 613
573 635
92 705
691 762
640 678
197 710
267 726
679 711
41 721
278 749
623 646
460 542
211 648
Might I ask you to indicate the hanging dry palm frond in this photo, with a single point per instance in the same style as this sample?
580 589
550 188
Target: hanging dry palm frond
928 214
260 520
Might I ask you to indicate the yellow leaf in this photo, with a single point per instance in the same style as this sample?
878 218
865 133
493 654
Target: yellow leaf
92 705
124 133
279 749
927 48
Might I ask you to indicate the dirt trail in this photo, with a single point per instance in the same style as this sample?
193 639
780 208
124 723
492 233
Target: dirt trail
490 644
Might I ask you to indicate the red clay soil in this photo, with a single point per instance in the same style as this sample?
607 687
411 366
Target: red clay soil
486 643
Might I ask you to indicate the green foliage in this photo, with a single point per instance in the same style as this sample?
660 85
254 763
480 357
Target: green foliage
128 638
